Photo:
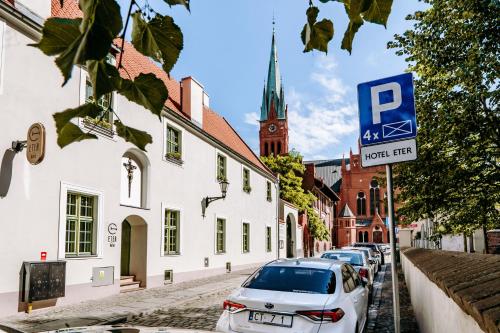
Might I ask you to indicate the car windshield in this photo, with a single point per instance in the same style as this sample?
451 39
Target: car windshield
293 279
354 259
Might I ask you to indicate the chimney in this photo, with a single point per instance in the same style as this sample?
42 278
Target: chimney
193 98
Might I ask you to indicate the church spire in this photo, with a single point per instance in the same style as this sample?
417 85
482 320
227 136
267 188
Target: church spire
273 90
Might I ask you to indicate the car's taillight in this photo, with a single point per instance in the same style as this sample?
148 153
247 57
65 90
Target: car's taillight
232 306
363 272
325 315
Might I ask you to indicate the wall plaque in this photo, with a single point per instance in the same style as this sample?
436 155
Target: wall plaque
35 145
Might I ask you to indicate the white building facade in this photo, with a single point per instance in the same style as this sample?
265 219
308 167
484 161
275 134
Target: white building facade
108 209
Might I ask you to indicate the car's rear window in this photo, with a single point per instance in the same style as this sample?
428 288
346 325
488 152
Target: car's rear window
293 279
355 259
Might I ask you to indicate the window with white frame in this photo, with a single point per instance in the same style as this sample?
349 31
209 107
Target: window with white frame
174 147
269 193
105 103
268 239
220 237
246 237
81 225
171 233
246 180
221 167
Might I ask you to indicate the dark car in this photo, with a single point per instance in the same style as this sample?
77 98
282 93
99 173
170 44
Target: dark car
375 247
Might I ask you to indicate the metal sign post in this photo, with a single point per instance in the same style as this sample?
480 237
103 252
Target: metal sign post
388 127
392 235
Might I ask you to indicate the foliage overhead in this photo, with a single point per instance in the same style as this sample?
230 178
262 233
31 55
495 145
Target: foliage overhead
318 35
291 170
88 41
454 51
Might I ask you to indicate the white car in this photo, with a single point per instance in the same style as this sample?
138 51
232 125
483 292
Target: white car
374 261
298 296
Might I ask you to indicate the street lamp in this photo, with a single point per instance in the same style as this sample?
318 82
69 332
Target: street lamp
223 189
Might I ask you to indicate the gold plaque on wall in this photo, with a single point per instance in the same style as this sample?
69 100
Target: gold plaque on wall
35 145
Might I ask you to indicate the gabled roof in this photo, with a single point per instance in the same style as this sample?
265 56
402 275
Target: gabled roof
346 212
134 63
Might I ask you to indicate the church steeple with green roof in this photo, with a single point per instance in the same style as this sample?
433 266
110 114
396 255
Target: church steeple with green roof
273 97
273 132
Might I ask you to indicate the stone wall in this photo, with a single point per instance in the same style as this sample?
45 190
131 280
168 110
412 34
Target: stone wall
453 291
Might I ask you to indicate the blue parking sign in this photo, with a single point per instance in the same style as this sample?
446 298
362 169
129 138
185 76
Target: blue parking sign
387 110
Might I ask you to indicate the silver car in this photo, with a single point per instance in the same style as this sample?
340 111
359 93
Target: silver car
359 261
372 259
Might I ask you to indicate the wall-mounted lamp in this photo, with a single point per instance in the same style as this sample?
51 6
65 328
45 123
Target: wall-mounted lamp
223 189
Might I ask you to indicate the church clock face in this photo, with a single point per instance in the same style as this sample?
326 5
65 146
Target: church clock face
272 128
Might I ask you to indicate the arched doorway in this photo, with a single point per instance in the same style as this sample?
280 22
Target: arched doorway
291 237
133 263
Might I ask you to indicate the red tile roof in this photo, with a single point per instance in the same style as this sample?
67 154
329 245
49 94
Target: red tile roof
135 63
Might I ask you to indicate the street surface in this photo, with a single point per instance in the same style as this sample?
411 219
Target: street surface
192 305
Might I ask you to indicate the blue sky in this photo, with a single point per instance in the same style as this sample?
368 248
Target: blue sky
227 46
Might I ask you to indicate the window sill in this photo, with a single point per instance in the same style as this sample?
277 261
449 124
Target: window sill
269 200
179 162
97 129
82 257
137 207
220 253
171 255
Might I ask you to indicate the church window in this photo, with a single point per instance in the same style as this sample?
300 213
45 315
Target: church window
266 149
374 197
366 237
361 204
360 236
279 148
272 148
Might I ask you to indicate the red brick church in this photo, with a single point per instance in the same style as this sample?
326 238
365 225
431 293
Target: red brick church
351 201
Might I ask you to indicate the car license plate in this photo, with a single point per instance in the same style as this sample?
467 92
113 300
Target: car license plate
269 318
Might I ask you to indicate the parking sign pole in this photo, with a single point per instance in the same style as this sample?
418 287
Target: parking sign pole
392 233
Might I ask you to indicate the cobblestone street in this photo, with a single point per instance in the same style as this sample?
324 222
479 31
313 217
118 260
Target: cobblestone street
195 305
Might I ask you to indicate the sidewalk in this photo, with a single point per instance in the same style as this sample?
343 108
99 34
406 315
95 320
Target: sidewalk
381 318
135 307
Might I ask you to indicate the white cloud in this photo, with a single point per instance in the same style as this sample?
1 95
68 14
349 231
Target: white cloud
252 118
318 122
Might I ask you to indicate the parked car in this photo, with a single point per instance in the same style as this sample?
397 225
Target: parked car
374 262
300 295
359 261
386 248
378 252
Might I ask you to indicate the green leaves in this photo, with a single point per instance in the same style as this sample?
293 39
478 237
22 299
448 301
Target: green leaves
146 90
79 40
185 3
160 38
316 35
132 135
67 132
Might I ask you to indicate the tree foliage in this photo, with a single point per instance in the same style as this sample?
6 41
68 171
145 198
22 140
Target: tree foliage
87 42
291 170
454 51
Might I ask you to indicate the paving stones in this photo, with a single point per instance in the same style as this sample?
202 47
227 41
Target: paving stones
381 318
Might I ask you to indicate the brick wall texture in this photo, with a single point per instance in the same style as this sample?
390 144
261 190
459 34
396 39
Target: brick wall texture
494 241
472 280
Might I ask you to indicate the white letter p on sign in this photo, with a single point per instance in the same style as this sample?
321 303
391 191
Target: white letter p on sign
378 108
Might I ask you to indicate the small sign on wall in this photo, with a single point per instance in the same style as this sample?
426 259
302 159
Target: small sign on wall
35 144
112 229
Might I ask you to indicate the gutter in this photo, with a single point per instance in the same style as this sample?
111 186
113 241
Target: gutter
25 24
